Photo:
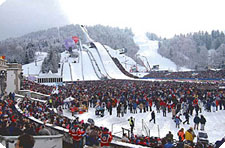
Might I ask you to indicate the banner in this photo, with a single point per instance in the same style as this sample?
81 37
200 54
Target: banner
69 43
75 38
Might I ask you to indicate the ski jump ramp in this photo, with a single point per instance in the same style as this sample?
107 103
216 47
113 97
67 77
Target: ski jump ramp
86 68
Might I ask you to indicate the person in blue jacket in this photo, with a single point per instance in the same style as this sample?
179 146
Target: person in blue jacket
169 144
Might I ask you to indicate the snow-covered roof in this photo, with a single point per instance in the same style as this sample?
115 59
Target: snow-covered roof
49 75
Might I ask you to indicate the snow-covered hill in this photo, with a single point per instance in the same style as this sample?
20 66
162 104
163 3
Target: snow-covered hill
148 49
85 68
96 63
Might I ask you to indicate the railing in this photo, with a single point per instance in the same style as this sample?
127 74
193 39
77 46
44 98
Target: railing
101 61
145 128
92 59
71 74
62 69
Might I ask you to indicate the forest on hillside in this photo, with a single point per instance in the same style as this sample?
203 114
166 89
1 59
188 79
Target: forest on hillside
198 50
22 49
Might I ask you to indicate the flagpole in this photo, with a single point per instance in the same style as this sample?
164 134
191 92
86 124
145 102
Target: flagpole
81 49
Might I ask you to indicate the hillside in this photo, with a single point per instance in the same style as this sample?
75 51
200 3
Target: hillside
22 49
196 51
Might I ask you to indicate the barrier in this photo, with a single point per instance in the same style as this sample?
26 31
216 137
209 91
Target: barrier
51 141
190 79
32 94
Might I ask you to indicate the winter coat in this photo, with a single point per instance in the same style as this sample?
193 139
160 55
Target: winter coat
76 133
135 105
153 115
196 120
141 106
168 145
202 120
106 138
169 137
187 116
131 122
173 111
118 109
178 120
189 136
181 135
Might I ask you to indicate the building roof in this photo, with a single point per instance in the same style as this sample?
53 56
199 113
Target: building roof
49 75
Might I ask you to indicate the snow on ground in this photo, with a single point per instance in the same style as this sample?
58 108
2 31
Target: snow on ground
214 125
32 68
149 49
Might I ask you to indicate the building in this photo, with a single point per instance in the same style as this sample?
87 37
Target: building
3 75
14 77
49 78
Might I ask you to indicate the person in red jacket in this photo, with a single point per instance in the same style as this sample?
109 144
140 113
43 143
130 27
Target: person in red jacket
77 135
106 138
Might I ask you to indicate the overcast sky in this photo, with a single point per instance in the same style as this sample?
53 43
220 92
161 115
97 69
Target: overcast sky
163 17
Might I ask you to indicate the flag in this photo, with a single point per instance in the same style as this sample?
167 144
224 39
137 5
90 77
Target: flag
69 43
2 57
75 38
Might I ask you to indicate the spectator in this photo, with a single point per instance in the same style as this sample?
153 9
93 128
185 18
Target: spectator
181 134
196 122
189 136
76 134
178 121
219 143
131 122
202 121
186 117
44 131
169 136
106 138
153 116
168 145
25 141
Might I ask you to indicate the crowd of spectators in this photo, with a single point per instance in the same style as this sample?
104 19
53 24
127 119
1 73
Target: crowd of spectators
207 74
138 96
12 123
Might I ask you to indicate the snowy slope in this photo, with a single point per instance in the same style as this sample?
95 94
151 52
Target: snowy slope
73 71
109 64
149 49
214 125
32 68
89 73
